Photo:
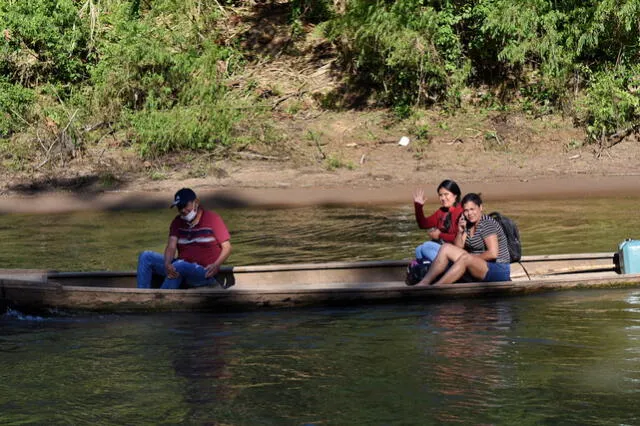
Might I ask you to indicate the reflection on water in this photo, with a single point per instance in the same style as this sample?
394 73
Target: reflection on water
112 240
563 358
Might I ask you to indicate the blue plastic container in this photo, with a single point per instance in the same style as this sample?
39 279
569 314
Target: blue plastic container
629 252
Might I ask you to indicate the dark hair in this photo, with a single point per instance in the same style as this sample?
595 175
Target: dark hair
452 187
473 197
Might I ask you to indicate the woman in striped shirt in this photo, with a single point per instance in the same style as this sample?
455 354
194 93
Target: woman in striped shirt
480 249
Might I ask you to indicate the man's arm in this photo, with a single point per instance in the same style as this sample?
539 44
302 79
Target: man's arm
170 254
224 254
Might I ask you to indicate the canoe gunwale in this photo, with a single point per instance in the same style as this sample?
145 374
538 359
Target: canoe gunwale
329 266
381 287
252 268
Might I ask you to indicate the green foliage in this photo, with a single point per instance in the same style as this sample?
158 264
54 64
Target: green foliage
611 102
542 53
178 128
15 102
158 71
154 69
157 175
44 41
402 111
562 40
411 53
334 162
163 75
422 132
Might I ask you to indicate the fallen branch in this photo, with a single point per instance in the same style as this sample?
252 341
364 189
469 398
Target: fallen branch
47 154
619 136
323 156
100 125
254 156
284 98
70 120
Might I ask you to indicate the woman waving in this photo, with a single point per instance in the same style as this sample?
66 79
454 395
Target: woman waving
442 225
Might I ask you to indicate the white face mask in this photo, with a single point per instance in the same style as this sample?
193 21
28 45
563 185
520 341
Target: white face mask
191 215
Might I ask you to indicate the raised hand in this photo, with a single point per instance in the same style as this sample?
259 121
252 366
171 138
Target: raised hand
418 196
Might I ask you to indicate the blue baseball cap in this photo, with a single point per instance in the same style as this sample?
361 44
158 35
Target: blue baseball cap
183 197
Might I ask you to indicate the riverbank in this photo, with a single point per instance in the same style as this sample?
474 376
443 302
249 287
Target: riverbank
355 158
307 131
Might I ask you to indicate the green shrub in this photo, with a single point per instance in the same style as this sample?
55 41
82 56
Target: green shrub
159 132
563 42
408 52
44 41
15 102
611 102
163 75
334 162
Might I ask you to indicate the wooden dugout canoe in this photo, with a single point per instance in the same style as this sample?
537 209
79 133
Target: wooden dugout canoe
280 286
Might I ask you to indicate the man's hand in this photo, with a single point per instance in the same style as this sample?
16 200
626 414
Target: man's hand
211 270
171 271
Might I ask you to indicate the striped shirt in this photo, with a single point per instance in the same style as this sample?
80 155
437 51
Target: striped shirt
488 226
201 243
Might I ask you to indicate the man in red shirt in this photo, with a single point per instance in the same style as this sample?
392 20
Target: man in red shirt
199 238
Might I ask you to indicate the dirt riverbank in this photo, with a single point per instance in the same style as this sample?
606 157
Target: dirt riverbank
352 158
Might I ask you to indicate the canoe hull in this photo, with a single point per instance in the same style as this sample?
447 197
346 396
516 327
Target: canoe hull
288 286
37 298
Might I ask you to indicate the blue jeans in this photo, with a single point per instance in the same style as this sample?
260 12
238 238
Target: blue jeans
428 250
192 274
497 272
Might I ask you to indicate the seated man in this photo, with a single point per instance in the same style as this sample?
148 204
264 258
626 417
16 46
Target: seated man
201 240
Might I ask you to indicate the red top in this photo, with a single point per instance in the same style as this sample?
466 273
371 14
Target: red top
436 220
202 243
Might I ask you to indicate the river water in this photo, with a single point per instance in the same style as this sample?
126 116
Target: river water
558 358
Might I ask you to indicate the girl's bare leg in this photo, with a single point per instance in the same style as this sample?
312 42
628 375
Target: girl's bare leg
467 262
448 253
